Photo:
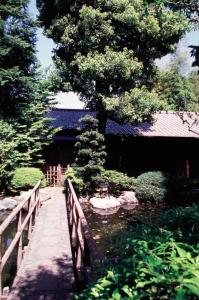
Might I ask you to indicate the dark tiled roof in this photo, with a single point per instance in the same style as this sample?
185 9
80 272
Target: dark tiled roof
166 124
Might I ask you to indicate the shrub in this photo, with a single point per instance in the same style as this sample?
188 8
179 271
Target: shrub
151 193
77 181
26 178
118 181
156 178
158 186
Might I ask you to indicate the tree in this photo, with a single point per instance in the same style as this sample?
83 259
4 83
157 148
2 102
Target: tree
90 151
176 91
106 51
23 95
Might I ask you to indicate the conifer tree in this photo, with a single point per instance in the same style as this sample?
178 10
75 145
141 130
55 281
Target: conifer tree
23 94
90 151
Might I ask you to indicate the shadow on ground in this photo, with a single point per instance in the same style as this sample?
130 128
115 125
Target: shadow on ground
55 281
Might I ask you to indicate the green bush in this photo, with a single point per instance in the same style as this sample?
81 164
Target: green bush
26 178
74 175
158 186
118 181
151 193
156 178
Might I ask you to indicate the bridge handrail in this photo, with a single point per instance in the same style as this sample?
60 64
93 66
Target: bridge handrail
80 231
33 202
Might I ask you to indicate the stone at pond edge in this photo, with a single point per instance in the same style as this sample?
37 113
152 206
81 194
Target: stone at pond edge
7 204
128 197
104 203
105 212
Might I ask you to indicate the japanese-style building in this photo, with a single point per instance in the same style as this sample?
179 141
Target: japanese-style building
170 144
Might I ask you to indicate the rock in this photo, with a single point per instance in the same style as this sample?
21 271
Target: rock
104 203
129 206
105 212
8 204
22 196
128 197
83 200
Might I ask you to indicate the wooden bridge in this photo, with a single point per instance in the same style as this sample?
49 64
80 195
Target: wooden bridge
52 248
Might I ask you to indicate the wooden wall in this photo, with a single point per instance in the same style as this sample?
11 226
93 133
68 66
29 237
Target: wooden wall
137 155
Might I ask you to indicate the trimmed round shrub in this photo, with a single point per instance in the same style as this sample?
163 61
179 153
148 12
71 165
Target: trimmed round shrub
118 181
27 178
153 186
156 178
151 193
158 186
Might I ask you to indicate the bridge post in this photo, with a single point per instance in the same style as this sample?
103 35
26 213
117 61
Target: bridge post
0 268
20 250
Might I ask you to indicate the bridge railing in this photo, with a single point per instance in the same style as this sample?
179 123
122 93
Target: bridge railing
84 249
24 215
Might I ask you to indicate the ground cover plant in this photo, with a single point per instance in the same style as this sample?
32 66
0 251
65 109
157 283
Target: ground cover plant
152 261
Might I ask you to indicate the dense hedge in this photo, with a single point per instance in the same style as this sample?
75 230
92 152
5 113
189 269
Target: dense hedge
26 178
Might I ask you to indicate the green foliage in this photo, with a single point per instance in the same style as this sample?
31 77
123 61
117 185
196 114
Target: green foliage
156 262
90 151
167 270
23 92
106 51
176 91
155 178
151 193
185 220
26 178
77 181
118 181
158 186
9 156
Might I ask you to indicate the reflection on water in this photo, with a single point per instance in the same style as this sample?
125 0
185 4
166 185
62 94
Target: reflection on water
105 223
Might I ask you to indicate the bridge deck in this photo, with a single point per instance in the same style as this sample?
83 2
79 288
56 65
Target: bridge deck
46 272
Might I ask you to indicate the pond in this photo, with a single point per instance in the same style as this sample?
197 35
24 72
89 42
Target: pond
10 268
105 226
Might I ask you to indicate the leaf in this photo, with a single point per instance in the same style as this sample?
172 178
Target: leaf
181 294
105 282
192 288
127 291
116 294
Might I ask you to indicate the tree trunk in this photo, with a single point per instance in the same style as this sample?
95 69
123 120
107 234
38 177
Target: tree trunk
101 113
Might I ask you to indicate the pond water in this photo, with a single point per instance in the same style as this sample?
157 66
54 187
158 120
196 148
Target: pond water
10 268
104 226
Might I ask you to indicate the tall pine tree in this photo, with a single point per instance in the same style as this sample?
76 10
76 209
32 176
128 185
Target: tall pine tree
23 95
